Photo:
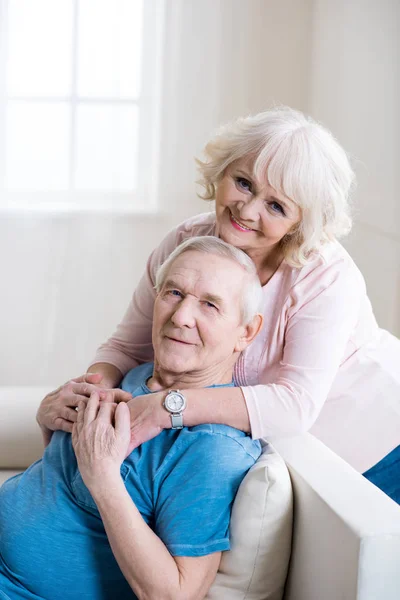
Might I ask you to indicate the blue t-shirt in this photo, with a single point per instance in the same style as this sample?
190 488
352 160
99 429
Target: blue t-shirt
183 482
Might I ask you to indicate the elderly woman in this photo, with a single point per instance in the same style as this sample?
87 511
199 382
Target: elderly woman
281 184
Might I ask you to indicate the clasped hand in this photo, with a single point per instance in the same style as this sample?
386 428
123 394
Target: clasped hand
57 409
101 439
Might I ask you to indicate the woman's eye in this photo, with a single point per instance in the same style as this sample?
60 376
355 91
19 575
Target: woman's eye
276 207
243 183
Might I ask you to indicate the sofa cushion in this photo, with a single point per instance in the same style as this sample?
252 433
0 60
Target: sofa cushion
261 532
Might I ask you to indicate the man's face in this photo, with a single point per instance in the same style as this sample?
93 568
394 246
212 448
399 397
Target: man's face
197 314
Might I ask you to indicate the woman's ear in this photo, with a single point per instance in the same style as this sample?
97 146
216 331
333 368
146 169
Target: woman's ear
249 332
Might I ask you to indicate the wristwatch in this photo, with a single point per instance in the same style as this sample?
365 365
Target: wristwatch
175 403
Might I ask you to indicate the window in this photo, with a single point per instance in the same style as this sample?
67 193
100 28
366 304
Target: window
79 103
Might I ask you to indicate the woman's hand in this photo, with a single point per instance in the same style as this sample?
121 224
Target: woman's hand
148 418
57 409
101 438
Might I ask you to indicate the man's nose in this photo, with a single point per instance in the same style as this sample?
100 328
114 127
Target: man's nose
183 316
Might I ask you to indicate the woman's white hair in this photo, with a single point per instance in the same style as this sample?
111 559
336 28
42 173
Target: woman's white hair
252 290
301 160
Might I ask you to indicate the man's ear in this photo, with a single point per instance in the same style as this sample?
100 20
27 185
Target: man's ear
249 333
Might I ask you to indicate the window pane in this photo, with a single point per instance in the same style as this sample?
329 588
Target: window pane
40 47
37 143
106 144
109 48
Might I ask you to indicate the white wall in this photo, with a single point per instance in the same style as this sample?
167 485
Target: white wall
66 280
355 91
225 58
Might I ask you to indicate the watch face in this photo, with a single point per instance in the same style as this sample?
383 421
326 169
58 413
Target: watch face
174 402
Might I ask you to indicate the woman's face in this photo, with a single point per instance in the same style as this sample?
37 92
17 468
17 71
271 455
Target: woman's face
251 215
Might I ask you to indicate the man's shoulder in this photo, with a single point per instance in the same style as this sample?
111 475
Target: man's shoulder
202 451
222 438
134 381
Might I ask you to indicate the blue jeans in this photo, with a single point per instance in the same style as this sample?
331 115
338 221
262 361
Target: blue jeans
386 474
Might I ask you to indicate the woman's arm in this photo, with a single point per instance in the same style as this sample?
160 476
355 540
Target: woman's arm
147 565
226 406
322 315
111 375
318 327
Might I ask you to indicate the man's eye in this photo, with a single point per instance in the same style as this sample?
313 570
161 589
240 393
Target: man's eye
243 183
276 207
210 305
174 293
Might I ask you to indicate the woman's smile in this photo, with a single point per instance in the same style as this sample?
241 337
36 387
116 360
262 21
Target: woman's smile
238 225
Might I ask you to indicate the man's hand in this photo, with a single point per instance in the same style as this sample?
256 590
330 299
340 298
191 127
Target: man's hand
57 409
100 437
148 418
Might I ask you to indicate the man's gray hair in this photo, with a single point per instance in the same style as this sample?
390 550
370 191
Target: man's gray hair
252 290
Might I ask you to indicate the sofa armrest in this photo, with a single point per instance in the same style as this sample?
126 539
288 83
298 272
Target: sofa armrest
346 539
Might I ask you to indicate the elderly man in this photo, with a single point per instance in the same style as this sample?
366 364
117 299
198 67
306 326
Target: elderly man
106 523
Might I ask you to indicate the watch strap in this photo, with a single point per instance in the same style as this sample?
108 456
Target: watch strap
177 420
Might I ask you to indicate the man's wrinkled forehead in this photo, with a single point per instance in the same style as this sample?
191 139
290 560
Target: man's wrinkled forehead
208 275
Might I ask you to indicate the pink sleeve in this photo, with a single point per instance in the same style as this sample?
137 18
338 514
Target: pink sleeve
321 313
130 344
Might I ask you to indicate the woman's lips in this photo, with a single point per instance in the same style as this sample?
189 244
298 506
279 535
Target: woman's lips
237 225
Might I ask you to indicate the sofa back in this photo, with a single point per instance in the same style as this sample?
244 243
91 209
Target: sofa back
20 437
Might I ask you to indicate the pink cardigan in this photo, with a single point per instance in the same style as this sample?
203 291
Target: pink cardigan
320 362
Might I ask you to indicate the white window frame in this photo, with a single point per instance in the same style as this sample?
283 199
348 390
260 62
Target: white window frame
144 200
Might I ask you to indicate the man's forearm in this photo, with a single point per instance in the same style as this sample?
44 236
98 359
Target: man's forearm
142 557
112 376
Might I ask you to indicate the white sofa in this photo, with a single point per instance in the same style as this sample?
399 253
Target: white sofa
346 534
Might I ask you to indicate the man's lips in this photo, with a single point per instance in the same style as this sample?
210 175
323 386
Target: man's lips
173 339
238 225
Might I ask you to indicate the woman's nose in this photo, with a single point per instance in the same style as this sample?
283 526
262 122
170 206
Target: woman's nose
183 316
250 210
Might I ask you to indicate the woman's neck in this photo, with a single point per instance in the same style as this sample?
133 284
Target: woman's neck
266 264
